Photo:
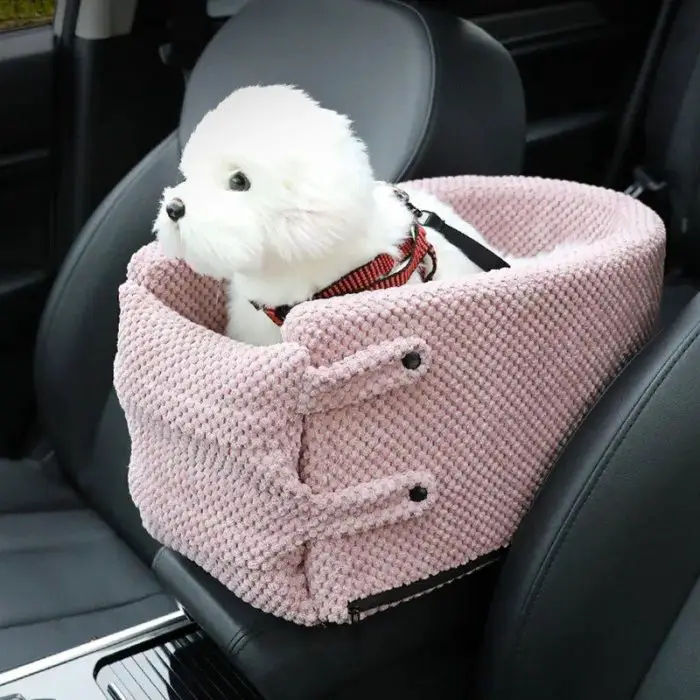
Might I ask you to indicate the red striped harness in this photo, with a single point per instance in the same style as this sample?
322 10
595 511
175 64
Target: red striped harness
380 273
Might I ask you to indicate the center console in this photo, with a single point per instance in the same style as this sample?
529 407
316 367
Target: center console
169 657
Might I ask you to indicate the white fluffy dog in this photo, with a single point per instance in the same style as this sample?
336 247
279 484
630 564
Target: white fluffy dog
279 199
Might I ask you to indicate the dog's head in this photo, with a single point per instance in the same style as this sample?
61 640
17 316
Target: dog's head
271 179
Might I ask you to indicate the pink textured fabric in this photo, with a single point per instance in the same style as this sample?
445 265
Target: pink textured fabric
285 471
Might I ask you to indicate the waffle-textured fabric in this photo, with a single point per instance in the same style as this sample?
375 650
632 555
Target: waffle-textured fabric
289 472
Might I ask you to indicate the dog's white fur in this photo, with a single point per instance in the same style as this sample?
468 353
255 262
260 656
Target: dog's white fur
313 211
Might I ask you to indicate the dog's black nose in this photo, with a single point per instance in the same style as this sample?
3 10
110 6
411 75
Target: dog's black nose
175 209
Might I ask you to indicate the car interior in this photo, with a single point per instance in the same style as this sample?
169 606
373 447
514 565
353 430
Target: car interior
598 595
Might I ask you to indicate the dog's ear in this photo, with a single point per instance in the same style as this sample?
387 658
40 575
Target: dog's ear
324 216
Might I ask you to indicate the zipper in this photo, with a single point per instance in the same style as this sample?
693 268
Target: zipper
356 608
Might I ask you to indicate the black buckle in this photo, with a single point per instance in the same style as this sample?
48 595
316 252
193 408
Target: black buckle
479 254
643 183
280 313
403 196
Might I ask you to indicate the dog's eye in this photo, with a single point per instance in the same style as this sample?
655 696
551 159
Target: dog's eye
238 182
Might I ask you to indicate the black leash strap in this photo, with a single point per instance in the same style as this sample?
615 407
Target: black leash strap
479 254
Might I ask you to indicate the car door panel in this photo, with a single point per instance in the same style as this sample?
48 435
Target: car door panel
577 61
25 206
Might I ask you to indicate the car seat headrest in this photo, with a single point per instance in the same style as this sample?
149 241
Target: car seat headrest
429 93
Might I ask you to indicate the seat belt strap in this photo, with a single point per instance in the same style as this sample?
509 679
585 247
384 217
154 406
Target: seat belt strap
629 124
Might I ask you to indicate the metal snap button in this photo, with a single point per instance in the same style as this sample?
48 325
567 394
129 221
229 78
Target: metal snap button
411 360
418 494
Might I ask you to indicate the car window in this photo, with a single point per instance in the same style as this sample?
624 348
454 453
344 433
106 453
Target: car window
19 14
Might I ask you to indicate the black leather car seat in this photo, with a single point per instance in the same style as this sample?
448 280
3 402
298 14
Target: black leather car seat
74 559
599 597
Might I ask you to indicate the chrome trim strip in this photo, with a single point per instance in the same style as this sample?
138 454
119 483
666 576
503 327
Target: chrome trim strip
159 624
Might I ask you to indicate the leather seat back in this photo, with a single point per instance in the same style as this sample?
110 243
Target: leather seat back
428 92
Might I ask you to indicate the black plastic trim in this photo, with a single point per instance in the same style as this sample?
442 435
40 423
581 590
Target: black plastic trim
396 595
184 664
545 22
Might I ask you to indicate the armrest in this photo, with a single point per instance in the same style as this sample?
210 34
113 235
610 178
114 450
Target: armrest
286 661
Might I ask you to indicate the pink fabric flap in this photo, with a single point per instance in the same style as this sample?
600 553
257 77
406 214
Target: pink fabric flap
369 372
351 511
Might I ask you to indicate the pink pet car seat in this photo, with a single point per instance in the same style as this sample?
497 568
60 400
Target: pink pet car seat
394 440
